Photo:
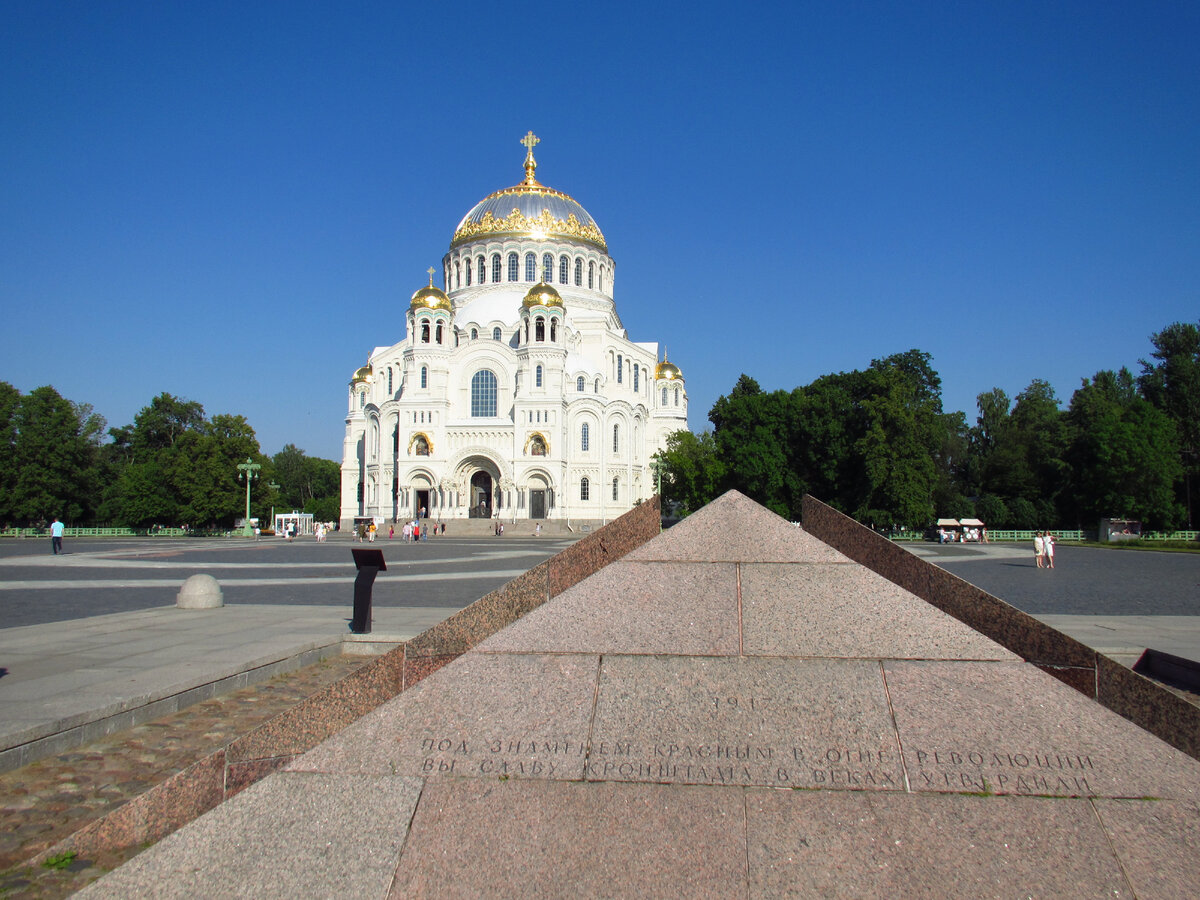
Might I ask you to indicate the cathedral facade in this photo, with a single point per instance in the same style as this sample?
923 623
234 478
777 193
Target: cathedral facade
516 392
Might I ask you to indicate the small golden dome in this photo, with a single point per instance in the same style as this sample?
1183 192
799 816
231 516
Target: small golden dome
667 370
430 297
363 375
542 294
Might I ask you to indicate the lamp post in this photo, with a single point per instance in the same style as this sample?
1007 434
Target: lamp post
656 468
274 490
247 472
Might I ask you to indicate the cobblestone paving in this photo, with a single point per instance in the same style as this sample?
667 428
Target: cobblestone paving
43 803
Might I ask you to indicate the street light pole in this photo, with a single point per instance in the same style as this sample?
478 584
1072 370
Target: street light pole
274 490
247 472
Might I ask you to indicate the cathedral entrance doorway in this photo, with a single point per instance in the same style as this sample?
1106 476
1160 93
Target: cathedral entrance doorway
537 504
422 507
481 496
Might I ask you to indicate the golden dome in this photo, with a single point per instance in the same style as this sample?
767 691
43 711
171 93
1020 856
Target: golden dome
667 370
430 298
363 375
542 294
529 209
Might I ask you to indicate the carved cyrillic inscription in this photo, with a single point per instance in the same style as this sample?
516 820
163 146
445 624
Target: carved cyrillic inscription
1005 771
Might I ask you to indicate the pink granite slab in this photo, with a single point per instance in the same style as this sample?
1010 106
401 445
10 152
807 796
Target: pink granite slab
635 608
1009 728
1156 842
733 528
473 838
863 844
802 609
485 714
290 835
796 723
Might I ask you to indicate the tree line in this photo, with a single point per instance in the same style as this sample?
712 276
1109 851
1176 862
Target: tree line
877 445
172 466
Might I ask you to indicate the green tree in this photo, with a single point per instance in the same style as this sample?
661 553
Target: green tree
691 471
1172 384
750 428
174 466
1124 452
53 454
10 401
1017 453
303 479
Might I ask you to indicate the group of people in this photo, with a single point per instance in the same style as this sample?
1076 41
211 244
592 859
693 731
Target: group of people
1043 549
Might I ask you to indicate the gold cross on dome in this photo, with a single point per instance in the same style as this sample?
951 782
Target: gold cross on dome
430 270
530 140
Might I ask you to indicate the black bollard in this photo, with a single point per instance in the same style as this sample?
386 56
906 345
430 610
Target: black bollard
369 563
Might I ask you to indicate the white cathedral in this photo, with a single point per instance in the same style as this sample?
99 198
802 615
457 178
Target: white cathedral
516 393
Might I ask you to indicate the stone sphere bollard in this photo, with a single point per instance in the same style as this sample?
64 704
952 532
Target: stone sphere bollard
200 592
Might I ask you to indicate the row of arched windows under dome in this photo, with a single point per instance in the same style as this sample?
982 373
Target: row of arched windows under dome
564 270
482 403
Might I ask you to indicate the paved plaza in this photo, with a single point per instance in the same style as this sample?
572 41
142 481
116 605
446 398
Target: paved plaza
96 577
1117 601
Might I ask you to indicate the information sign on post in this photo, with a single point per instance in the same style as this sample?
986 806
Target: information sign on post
369 563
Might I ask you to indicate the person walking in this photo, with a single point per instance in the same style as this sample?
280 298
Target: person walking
56 534
1039 548
1048 549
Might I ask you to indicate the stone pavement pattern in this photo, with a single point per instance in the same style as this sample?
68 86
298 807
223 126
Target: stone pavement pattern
725 711
47 801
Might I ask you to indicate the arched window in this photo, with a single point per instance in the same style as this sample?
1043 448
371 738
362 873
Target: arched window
424 376
424 332
579 384
547 268
676 396
615 488
537 378
389 379
564 269
468 272
483 394
495 268
479 264
600 286
584 443
474 334
620 367
362 400
591 275
496 333
530 267
539 329
527 331
597 389
438 337
578 272
514 267
553 329
664 400
635 379
458 275
616 438
583 489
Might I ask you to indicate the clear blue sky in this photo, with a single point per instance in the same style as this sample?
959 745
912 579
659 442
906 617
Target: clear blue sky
233 202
